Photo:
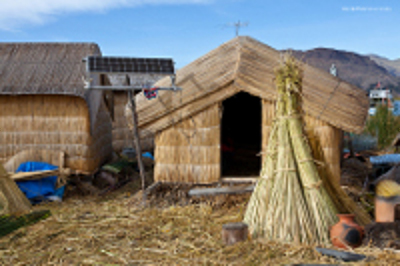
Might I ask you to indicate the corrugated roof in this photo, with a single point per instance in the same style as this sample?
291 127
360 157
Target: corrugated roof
245 64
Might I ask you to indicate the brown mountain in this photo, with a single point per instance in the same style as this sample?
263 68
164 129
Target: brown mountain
354 68
393 66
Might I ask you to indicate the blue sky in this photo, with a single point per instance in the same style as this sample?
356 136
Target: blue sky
187 29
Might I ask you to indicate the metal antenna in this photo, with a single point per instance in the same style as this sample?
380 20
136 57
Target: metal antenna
237 26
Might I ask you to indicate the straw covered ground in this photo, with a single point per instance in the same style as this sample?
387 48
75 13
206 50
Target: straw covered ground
115 230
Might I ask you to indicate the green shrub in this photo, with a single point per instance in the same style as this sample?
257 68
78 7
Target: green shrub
383 125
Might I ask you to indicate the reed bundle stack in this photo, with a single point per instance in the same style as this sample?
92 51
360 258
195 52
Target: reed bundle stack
12 200
292 202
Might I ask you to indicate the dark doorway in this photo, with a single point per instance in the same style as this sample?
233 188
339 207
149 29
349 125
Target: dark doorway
241 135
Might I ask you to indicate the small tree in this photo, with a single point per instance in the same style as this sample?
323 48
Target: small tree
383 125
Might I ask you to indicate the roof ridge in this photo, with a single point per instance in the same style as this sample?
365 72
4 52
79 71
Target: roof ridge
239 58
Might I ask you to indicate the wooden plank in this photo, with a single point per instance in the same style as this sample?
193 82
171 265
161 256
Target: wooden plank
41 174
241 179
220 191
34 175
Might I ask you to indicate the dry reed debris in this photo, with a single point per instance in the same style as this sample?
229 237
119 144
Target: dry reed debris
113 230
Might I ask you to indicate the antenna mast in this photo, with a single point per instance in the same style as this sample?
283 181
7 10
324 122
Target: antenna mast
239 25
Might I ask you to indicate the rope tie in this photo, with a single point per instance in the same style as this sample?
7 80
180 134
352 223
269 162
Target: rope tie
313 160
316 185
286 117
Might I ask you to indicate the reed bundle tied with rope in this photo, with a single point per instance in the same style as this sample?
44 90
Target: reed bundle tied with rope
290 202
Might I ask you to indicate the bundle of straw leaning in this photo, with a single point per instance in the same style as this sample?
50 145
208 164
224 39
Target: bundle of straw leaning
290 202
14 200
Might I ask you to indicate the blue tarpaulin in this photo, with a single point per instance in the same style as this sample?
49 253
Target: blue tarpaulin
39 188
385 159
148 155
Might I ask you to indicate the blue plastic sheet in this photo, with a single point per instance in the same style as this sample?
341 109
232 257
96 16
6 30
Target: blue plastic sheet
40 188
148 155
385 159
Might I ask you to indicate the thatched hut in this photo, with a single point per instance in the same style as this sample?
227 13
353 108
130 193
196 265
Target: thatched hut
230 92
44 105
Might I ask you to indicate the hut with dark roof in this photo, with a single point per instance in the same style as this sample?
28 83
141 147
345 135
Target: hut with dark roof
228 96
44 106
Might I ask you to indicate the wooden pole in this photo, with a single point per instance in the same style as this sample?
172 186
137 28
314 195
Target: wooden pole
137 143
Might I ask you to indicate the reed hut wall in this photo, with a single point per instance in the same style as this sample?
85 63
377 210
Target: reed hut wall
54 122
122 134
326 143
189 151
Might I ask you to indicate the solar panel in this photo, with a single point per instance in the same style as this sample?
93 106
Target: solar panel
104 64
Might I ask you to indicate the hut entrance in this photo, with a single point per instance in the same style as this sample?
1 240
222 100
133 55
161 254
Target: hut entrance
241 135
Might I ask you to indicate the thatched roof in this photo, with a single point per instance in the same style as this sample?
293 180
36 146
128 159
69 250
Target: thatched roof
244 64
47 69
44 68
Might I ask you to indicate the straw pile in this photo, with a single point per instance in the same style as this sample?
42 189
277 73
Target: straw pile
114 231
86 232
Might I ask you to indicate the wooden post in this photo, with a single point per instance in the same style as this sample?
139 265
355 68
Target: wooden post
234 232
137 143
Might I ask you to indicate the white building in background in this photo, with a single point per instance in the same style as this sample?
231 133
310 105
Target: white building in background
380 96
